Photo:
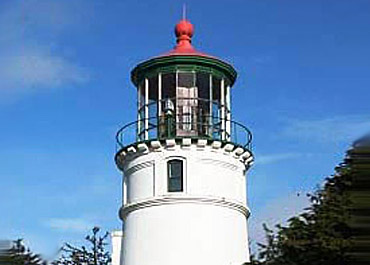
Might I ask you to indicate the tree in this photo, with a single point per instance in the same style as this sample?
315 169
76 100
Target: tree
319 235
94 254
327 231
357 168
19 254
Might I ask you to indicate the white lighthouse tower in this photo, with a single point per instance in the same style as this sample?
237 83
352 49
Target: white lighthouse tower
184 162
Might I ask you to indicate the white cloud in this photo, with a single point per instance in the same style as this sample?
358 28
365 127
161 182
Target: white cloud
336 129
22 18
70 224
273 158
38 69
275 212
29 55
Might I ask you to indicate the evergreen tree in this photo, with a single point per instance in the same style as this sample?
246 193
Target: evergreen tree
335 228
94 254
357 167
19 254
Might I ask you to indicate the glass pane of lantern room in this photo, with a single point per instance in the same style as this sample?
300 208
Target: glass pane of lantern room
152 107
141 110
169 85
187 105
204 103
168 105
186 79
216 109
216 89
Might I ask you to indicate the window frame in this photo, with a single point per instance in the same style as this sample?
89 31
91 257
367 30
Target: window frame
183 175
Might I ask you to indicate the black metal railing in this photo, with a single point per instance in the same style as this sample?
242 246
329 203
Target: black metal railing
185 125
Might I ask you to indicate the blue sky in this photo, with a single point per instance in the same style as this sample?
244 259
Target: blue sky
303 90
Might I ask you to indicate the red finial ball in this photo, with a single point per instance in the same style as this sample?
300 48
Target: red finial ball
184 30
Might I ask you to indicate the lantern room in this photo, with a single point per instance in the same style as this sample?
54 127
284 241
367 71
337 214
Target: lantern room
183 93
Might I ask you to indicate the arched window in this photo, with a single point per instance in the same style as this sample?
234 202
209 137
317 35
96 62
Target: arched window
175 175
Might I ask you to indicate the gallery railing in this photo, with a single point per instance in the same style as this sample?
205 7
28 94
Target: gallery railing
185 125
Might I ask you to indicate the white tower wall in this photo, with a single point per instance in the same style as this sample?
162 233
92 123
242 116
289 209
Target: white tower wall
116 239
206 223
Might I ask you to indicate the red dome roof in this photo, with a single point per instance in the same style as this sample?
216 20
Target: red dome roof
184 31
181 56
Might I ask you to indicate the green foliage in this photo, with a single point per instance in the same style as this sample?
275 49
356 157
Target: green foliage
335 229
319 235
94 254
19 254
357 166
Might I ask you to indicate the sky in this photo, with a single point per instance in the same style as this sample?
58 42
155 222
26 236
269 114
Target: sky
302 89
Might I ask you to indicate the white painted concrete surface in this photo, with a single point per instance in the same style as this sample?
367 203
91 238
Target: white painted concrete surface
204 224
116 239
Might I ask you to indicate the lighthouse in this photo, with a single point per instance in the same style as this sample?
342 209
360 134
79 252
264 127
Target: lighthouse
184 161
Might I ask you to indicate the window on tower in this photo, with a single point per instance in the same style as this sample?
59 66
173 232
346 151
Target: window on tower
175 172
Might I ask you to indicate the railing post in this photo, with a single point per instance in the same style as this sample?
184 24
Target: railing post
159 107
210 106
223 109
235 133
138 126
146 126
228 114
